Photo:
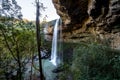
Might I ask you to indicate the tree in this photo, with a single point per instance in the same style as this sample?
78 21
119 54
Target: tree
10 8
18 45
38 38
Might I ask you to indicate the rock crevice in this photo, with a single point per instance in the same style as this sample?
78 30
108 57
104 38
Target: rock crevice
87 18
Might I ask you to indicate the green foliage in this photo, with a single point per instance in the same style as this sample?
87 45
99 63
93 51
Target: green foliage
17 44
10 8
67 72
96 62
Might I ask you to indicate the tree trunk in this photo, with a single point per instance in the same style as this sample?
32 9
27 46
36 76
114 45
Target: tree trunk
38 38
19 70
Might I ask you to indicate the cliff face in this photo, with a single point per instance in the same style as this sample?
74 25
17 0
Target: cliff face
88 12
83 19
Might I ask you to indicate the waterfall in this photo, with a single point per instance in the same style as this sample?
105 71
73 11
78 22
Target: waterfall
54 44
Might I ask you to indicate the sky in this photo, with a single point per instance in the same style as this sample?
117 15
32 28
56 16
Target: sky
29 9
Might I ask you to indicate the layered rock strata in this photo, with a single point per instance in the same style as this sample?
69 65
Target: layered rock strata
83 20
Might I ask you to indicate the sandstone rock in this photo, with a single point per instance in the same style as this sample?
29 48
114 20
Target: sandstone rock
78 12
86 19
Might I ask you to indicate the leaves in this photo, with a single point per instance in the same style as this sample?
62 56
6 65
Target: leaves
17 43
93 62
10 8
96 61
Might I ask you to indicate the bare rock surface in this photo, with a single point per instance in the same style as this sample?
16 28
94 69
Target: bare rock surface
83 20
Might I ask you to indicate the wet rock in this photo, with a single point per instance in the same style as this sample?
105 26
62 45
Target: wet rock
57 70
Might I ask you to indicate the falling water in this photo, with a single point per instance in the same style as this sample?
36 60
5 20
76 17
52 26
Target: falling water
54 44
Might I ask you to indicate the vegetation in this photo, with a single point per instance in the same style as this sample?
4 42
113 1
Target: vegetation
17 46
10 8
17 41
93 62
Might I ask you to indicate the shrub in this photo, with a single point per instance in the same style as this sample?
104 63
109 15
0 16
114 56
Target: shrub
95 62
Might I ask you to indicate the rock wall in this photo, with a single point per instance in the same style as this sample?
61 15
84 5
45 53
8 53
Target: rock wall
104 12
89 20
